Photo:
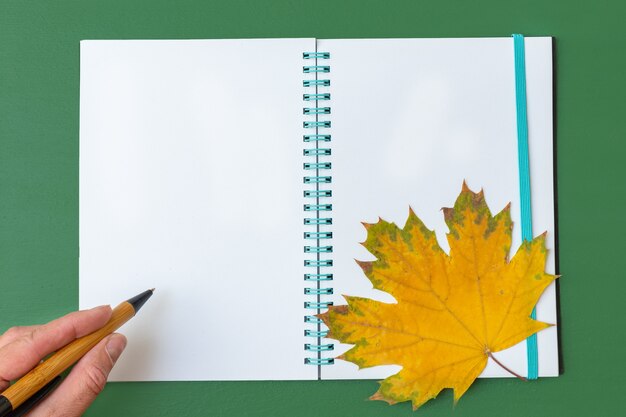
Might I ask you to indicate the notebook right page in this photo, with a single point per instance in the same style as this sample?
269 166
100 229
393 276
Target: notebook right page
411 120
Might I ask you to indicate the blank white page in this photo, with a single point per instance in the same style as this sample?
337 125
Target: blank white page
412 119
190 172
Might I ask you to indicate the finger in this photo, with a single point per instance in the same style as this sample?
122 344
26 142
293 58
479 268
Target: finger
21 355
15 333
9 336
85 382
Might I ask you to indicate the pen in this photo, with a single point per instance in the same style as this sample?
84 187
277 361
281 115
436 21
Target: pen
44 373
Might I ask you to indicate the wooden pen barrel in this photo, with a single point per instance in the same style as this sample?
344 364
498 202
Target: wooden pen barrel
46 371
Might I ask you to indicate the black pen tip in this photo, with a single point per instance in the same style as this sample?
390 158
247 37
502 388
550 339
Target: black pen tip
139 300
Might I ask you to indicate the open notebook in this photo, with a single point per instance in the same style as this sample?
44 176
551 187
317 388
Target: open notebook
192 159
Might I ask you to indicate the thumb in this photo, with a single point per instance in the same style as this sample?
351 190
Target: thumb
86 380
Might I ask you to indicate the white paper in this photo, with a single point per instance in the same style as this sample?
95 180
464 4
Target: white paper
191 182
190 172
412 119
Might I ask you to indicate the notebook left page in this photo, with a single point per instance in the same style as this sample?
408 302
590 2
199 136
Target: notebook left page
188 172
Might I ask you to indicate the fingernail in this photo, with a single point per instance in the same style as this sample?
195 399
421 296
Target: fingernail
105 306
115 346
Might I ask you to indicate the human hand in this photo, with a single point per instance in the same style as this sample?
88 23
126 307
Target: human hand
22 348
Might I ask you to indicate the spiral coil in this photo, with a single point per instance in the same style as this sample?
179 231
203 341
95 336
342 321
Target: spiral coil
316 221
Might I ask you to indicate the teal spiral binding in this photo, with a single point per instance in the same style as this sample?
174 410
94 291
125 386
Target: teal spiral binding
318 277
317 165
318 235
316 69
316 249
318 348
316 138
315 291
316 151
314 305
318 220
309 180
317 252
313 333
319 361
316 97
313 83
308 125
316 263
312 319
316 110
318 207
318 193
315 55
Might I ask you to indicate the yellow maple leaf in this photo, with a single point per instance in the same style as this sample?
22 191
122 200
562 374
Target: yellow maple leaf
453 311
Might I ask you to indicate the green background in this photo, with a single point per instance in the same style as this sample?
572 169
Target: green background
39 92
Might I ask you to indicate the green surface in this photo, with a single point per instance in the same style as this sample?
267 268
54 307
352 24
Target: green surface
39 77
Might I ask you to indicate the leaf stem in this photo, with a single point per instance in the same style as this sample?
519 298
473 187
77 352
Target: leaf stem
505 368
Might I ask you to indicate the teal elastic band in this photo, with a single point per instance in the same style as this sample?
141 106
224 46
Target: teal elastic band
524 178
